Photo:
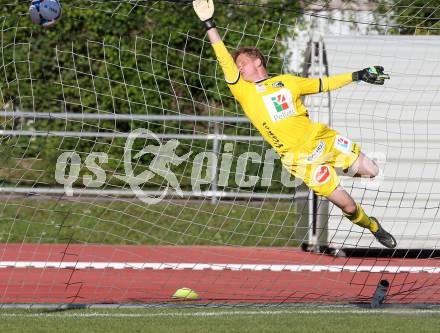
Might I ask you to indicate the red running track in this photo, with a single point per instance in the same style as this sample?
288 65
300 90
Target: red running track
90 274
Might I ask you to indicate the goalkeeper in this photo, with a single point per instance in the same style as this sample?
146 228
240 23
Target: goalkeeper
310 151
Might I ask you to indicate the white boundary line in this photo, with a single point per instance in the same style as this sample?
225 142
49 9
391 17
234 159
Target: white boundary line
218 267
223 313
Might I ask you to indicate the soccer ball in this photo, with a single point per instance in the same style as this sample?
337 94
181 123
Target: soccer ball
45 12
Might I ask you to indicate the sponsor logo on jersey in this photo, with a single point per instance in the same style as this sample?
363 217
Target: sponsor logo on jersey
343 144
322 174
278 84
279 105
317 152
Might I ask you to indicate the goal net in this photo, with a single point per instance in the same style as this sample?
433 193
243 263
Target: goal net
128 170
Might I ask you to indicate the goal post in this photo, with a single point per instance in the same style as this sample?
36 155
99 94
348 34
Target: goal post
315 65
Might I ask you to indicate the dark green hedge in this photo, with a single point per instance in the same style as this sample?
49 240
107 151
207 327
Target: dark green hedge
117 58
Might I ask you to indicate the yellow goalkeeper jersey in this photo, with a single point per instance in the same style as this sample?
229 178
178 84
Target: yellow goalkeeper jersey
274 106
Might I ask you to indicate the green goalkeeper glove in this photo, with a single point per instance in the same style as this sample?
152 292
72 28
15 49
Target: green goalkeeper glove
205 11
373 75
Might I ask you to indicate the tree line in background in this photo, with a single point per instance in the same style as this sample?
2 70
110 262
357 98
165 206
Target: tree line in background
118 58
412 17
146 58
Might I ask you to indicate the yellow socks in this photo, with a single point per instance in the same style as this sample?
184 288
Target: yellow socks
361 219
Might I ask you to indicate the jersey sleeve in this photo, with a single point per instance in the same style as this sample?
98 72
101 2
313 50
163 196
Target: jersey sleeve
316 85
230 70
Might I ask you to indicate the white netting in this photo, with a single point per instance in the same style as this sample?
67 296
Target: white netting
86 105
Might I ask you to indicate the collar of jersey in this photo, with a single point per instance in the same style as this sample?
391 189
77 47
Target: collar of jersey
259 81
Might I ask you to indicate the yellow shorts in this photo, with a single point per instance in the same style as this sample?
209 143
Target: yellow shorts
321 157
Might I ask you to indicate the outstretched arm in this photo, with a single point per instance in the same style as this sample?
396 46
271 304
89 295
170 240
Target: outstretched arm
205 11
373 75
214 36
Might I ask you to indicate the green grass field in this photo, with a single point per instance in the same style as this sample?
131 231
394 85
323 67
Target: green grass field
244 223
341 320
